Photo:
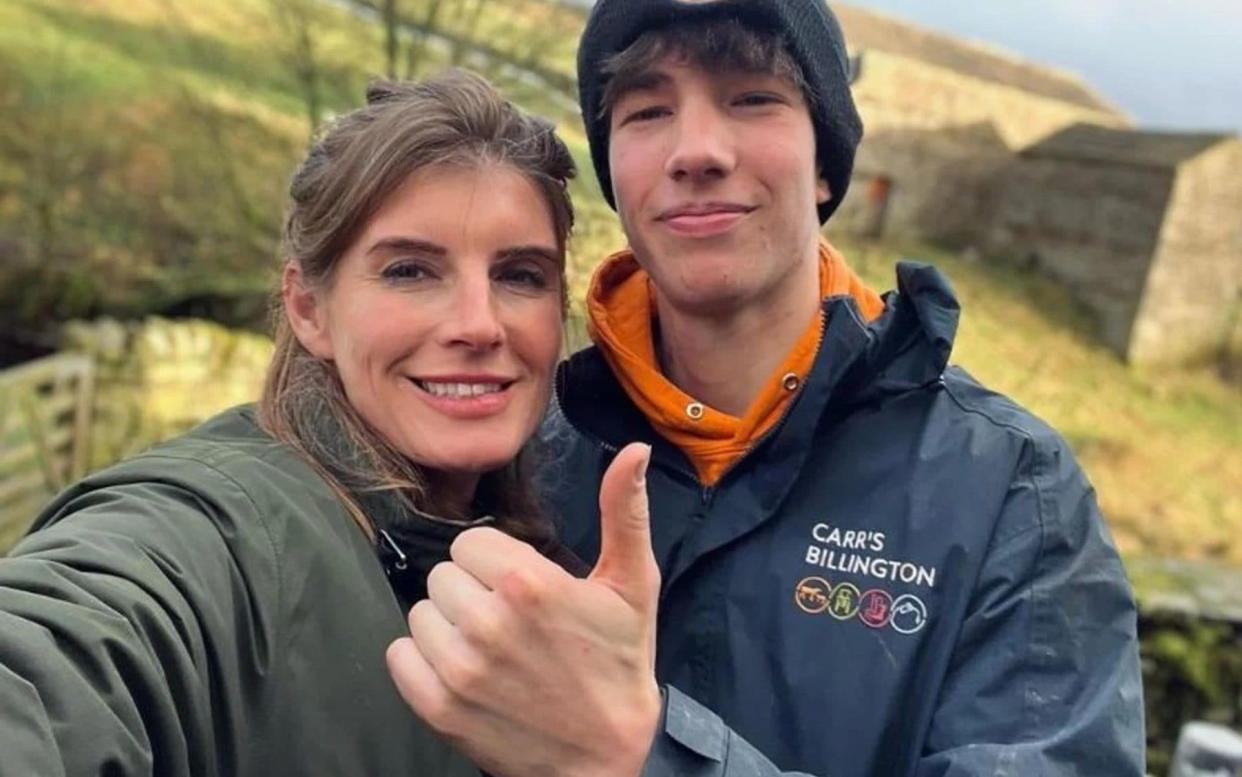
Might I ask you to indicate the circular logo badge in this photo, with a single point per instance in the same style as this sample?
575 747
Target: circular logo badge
875 608
909 614
812 594
844 604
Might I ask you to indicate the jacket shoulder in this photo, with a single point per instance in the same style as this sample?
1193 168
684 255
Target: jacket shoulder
996 411
1049 490
257 492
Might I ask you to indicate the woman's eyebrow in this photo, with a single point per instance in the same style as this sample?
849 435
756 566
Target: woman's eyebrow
399 244
526 251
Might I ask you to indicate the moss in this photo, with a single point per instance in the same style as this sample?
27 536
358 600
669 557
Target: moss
1192 670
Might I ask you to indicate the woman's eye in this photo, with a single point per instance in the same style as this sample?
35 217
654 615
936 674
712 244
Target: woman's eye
524 277
405 271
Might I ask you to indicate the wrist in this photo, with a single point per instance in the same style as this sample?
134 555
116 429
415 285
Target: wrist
625 753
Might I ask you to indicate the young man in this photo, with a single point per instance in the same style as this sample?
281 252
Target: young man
871 564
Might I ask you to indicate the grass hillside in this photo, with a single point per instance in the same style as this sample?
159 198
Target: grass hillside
146 146
147 143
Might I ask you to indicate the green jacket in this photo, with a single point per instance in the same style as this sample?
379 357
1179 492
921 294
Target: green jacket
207 608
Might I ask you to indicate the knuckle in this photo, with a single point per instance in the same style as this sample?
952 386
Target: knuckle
440 712
463 675
483 628
524 589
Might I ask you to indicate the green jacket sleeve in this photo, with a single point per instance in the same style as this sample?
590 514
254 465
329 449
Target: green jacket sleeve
129 631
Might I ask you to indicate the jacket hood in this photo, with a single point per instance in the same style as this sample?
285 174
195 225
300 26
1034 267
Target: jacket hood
909 346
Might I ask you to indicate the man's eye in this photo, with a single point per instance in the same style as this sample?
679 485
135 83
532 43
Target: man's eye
645 114
757 99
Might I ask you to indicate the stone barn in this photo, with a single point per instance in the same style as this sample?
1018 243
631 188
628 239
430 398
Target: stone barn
943 117
1144 228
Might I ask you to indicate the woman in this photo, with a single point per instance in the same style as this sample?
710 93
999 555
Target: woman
221 604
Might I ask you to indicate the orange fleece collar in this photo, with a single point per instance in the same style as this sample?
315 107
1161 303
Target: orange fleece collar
620 311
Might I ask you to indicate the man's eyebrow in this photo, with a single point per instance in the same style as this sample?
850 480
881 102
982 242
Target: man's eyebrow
399 244
624 83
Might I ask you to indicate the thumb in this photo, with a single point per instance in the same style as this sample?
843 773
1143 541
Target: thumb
626 563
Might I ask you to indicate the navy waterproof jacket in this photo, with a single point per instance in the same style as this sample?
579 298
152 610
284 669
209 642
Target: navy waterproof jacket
908 575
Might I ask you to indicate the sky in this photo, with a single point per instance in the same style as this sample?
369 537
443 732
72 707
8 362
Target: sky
1168 64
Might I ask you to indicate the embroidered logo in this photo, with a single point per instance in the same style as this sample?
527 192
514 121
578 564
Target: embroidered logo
909 614
861 557
844 601
875 608
812 594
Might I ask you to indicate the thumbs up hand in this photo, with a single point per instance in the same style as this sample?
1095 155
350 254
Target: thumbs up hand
530 671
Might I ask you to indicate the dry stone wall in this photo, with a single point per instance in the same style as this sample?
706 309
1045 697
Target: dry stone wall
1092 227
1190 301
894 92
938 139
939 185
158 377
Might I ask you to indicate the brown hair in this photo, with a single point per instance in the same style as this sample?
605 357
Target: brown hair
359 160
721 44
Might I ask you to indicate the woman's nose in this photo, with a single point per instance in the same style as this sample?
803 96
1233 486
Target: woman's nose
474 320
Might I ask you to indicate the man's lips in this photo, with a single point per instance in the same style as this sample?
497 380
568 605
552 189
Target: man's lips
704 220
702 210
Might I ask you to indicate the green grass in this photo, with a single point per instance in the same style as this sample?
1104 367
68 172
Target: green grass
157 136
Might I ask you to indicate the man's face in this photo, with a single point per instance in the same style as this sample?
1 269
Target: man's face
716 184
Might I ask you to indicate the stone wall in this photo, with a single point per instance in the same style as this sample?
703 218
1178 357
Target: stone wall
1190 629
159 377
893 92
1194 286
1092 227
939 185
938 139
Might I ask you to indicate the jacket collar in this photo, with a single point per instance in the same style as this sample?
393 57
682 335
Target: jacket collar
906 348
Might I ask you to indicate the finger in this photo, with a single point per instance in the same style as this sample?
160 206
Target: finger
460 668
456 593
490 556
418 683
626 562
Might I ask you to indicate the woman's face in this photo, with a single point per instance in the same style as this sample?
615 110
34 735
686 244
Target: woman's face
444 319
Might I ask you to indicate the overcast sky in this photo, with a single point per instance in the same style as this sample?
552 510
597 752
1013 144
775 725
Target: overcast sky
1166 63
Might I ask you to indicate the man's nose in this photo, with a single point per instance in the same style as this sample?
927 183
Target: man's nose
702 143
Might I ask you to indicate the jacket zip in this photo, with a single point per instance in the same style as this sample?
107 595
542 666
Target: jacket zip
709 492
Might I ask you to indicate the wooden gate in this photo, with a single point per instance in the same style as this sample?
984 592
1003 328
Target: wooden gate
45 418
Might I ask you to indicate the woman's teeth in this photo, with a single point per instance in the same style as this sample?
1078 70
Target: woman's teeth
459 389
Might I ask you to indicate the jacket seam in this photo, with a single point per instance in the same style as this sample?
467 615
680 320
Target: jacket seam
1036 449
1038 599
1038 455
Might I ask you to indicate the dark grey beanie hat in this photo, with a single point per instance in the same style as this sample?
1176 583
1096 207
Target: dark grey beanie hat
811 34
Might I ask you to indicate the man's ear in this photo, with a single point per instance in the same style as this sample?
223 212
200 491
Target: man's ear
822 191
304 310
